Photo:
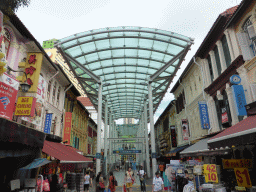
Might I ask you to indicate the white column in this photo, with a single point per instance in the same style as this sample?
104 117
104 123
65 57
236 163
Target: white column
213 115
105 135
152 130
222 57
231 105
99 127
146 138
214 66
110 136
206 71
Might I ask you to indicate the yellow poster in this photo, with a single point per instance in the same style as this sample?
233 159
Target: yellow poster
210 173
243 177
25 106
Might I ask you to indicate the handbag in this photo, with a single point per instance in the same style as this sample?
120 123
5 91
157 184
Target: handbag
46 185
102 186
131 177
124 189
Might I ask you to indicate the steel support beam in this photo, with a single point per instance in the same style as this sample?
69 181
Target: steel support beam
105 135
146 138
121 139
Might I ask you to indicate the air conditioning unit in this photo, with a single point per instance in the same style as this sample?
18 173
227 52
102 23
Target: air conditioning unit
251 31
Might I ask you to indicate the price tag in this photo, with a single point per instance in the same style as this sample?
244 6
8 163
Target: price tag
243 177
210 173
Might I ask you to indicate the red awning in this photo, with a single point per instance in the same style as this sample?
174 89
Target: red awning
65 154
242 133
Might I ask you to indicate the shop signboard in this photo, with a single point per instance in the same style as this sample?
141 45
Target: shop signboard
210 173
236 163
67 127
126 151
40 99
185 129
25 106
173 136
48 123
243 177
8 93
224 115
239 99
203 110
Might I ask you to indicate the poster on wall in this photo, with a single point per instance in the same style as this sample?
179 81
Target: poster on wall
185 129
203 110
8 93
224 115
41 94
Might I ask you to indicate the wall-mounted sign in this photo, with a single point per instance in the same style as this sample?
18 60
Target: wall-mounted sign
236 163
210 173
203 110
8 93
48 123
239 99
173 136
243 177
235 79
67 127
126 151
25 106
224 115
185 129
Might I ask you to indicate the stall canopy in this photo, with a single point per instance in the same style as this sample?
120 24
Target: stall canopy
242 133
178 149
200 146
65 154
37 163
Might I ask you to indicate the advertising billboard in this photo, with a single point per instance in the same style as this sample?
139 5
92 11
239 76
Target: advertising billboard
25 106
67 127
185 129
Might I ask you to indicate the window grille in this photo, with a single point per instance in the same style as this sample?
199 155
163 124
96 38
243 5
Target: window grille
217 59
252 45
226 50
210 67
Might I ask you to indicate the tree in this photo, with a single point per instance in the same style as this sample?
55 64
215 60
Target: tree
11 6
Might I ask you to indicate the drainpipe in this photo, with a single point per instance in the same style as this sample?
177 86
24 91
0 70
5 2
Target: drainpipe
42 180
186 110
203 84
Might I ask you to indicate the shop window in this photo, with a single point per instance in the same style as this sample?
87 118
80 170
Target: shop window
49 90
217 59
166 124
58 97
54 124
246 28
7 41
226 50
180 102
210 67
54 92
89 148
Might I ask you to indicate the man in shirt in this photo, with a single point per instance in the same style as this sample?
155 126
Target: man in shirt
142 174
158 184
161 169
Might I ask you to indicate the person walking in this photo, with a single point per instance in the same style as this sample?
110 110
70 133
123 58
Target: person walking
158 184
100 186
129 179
87 179
112 179
161 169
142 174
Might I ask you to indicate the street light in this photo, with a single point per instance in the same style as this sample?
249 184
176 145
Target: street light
24 86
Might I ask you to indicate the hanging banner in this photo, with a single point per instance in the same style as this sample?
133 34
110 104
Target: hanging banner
25 106
185 129
67 127
41 91
173 136
239 99
8 93
48 123
203 110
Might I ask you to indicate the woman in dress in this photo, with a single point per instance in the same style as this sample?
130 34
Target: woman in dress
111 185
100 186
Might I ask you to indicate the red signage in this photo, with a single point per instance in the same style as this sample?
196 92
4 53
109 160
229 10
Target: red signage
8 93
67 127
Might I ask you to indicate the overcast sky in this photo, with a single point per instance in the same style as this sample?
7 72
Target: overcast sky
48 19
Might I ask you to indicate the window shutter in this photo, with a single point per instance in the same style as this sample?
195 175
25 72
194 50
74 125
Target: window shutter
244 43
251 31
253 88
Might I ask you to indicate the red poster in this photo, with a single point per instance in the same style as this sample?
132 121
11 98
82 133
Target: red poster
67 127
224 117
8 94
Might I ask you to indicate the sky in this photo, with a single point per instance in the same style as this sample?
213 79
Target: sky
48 19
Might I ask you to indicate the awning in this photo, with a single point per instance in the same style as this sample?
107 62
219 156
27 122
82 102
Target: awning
194 149
242 133
178 149
65 154
37 163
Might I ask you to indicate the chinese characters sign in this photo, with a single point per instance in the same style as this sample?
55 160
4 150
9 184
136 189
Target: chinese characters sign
205 122
25 106
210 173
185 129
8 93
67 127
48 123
32 69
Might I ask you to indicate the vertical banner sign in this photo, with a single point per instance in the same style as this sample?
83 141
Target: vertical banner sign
48 123
67 127
239 99
185 129
243 177
210 173
32 69
224 115
173 136
205 122
8 93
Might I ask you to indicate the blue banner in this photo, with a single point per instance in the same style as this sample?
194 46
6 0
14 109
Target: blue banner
126 151
239 99
48 123
203 110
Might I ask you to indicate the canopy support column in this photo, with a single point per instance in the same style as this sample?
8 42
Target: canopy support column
105 136
111 136
146 138
98 155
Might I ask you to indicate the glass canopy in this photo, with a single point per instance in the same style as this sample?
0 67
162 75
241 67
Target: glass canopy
125 59
127 129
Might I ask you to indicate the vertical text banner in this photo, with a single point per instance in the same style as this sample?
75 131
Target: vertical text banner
185 129
203 110
67 127
33 69
239 99
48 123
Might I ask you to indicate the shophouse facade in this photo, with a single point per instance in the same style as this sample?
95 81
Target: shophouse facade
92 138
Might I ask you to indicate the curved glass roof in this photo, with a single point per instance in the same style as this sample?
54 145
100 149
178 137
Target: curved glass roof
125 59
